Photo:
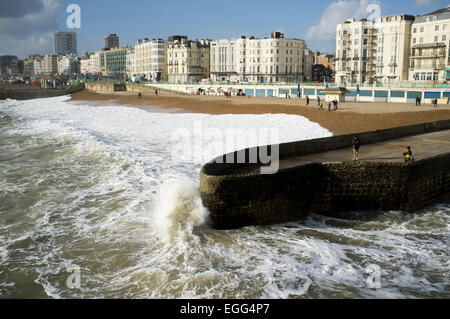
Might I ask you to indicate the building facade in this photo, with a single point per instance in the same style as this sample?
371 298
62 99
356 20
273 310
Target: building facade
373 52
65 43
112 41
68 64
430 45
270 60
396 48
151 59
49 64
113 63
188 61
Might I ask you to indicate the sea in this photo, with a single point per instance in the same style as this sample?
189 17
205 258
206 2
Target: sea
102 201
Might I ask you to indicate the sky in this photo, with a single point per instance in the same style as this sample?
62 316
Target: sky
26 26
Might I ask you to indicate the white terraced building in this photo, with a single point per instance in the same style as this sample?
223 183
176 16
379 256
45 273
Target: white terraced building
430 46
373 52
269 60
150 59
399 48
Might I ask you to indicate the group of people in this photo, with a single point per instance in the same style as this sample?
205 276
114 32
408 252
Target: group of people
335 103
434 102
408 155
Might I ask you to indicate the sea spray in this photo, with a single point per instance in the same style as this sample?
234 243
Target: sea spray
178 209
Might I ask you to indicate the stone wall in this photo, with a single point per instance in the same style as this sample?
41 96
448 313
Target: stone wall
104 87
27 94
237 195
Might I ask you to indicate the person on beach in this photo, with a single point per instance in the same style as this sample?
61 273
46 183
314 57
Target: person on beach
307 100
156 92
356 146
318 100
408 155
329 106
140 96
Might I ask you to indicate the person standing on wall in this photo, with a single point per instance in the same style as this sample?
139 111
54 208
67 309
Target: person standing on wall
356 146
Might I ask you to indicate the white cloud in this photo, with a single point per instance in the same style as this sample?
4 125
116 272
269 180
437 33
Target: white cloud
336 13
425 3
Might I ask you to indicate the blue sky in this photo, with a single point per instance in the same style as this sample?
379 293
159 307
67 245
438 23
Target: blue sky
313 21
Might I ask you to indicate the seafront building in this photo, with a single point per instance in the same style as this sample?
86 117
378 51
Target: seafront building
188 61
373 52
68 64
65 43
49 64
90 63
430 46
113 63
130 62
269 60
150 58
399 48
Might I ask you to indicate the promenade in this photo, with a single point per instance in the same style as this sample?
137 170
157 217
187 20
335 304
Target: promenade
423 146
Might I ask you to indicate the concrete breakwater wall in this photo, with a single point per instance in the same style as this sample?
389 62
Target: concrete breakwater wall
104 87
238 195
30 93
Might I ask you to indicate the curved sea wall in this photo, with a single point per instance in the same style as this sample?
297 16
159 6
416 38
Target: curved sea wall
30 93
238 195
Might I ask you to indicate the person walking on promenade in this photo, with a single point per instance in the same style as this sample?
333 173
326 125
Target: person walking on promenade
356 146
408 155
156 92
435 103
140 96
329 106
318 100
417 101
307 100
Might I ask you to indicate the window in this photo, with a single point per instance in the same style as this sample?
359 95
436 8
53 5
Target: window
421 40
365 41
356 41
444 38
436 39
414 40
366 31
436 28
444 27
422 29
415 30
